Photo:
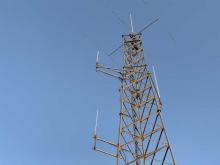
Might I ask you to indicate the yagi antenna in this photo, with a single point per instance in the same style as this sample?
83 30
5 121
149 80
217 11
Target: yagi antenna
132 28
155 77
97 57
96 121
150 24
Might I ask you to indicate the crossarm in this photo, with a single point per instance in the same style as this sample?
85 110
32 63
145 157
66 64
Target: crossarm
96 139
116 73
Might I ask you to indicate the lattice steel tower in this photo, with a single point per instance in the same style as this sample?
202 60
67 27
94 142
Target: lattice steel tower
142 138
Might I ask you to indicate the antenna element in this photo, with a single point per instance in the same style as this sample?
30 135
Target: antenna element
97 57
96 121
132 28
155 77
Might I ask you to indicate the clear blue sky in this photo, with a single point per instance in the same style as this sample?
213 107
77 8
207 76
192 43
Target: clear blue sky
49 90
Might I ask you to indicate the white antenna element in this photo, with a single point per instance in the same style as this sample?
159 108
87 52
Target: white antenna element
96 122
97 57
155 77
132 28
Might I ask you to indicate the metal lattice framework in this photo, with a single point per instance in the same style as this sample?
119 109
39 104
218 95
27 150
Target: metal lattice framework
142 138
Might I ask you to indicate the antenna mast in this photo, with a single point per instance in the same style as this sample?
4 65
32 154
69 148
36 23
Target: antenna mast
142 137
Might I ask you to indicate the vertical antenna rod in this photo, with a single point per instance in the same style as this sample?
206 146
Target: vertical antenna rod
97 57
132 28
155 78
96 122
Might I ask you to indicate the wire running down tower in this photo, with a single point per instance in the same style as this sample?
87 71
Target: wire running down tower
142 138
